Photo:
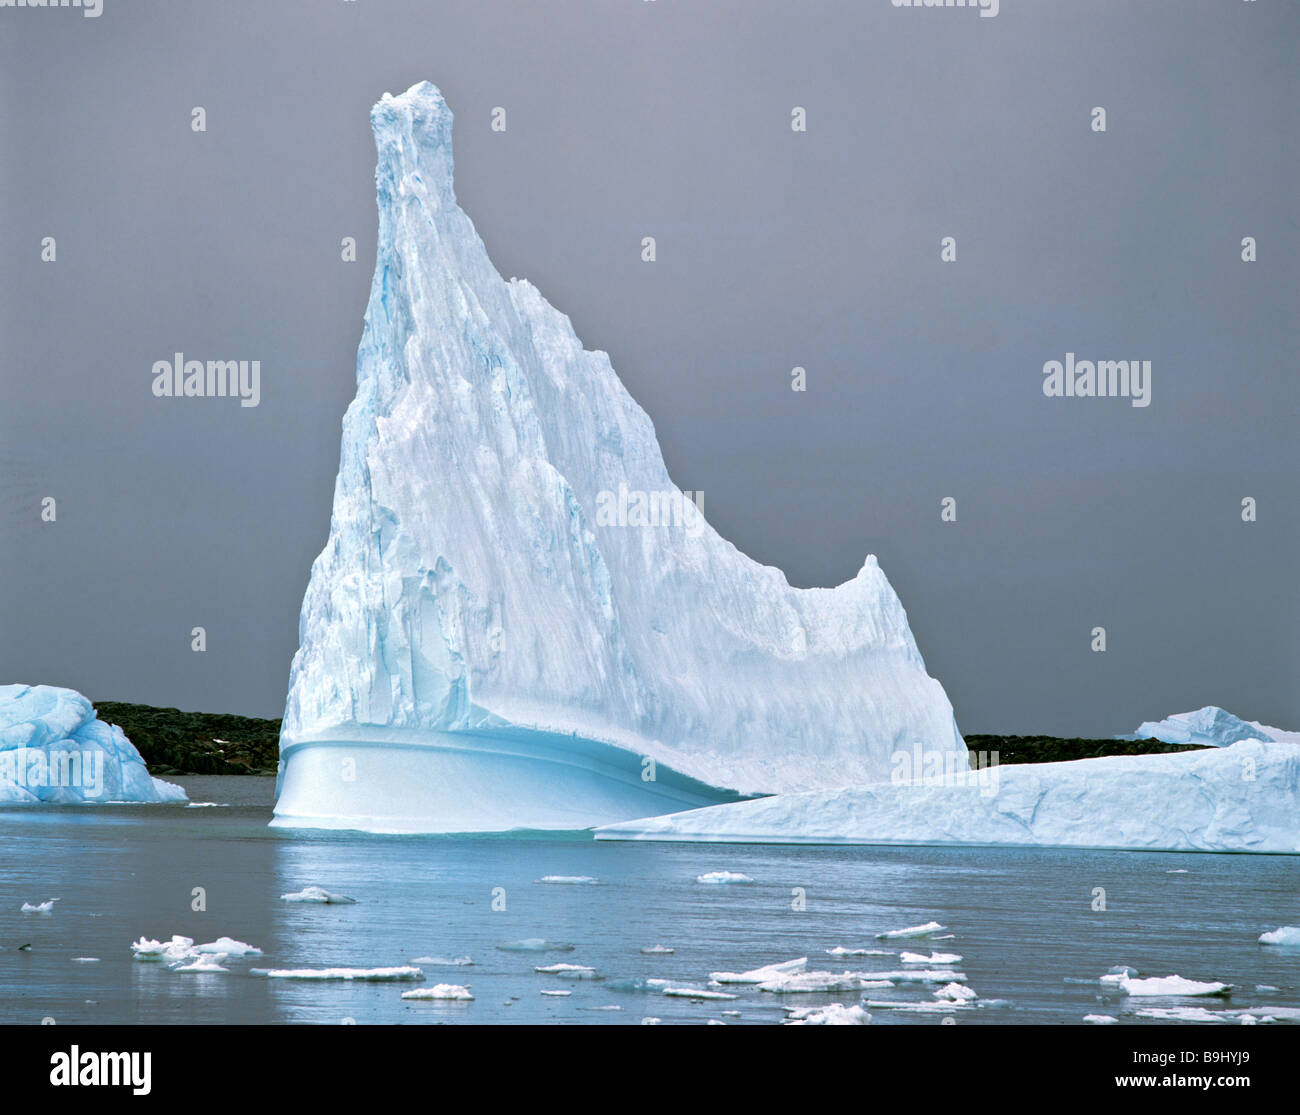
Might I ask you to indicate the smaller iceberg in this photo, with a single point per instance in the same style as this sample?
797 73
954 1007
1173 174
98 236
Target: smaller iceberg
55 750
1210 726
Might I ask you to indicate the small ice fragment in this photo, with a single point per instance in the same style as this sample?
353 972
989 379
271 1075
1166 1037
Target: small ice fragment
929 929
209 963
840 950
380 975
657 950
557 993
761 975
955 993
45 907
835 1014
936 958
692 993
85 959
723 877
569 971
650 1021
573 880
228 946
1100 1019
176 950
1286 935
731 1013
1177 871
798 983
439 991
318 894
1185 1014
443 962
535 944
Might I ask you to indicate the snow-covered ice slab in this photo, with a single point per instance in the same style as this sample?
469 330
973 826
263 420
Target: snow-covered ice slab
519 620
55 750
1240 798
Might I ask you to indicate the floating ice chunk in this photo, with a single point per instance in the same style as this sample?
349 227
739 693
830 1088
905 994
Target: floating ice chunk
228 946
761 975
1167 986
569 971
841 950
651 1021
929 929
694 993
209 963
378 975
556 993
1122 970
917 975
715 1022
607 1006
85 959
1185 1014
639 983
935 1007
572 880
1177 871
835 1014
178 949
1100 1019
443 962
731 1013
440 991
207 805
955 993
657 950
1286 935
319 894
937 958
734 877
535 944
46 907
801 983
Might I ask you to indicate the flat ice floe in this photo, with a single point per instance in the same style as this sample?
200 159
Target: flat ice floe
929 929
1288 935
933 960
696 993
842 950
810 983
202 964
1100 1019
442 961
454 991
377 975
571 880
657 950
1164 986
535 944
570 971
1239 798
320 895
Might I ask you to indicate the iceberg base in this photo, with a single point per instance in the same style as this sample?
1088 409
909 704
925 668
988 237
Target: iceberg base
420 781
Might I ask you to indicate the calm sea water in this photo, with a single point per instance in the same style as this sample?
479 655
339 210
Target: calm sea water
1023 920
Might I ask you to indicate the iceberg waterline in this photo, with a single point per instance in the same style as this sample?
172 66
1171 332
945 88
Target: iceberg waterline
481 648
54 749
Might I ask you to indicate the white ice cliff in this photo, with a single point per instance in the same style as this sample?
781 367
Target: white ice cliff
518 621
1239 798
54 749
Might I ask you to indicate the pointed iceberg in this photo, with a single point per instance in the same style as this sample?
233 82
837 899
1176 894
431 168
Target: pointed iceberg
518 620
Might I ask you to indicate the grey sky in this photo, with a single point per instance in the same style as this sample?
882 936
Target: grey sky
629 118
